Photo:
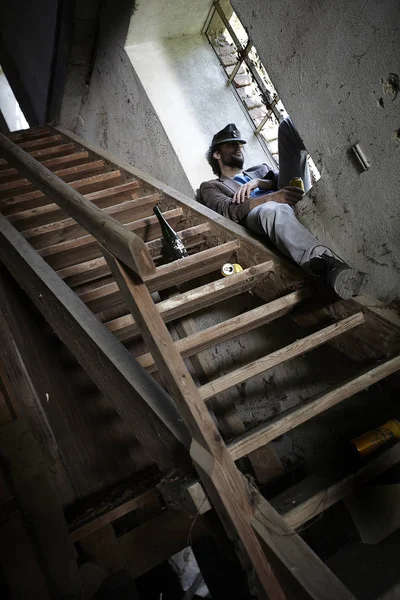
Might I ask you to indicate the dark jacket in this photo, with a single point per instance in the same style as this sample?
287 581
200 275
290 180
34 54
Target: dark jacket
217 193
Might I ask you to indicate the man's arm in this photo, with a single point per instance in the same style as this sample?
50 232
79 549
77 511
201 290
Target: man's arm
212 196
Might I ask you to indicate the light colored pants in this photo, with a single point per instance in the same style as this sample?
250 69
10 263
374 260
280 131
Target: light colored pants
278 221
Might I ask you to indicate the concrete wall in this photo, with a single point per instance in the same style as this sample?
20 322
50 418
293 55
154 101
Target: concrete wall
27 34
330 63
115 113
186 85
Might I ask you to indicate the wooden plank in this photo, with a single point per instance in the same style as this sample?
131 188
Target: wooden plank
178 271
113 515
129 248
44 142
68 229
69 253
31 133
222 480
25 219
91 270
129 389
102 198
307 575
40 155
279 356
20 186
125 328
292 418
314 495
197 342
53 164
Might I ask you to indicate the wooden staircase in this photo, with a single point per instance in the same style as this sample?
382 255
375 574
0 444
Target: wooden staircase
92 282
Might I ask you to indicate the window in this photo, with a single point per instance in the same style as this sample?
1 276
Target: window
248 77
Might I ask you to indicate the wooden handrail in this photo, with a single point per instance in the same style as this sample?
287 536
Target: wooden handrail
122 243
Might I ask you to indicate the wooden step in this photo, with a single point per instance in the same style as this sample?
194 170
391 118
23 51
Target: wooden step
314 495
29 134
52 164
42 142
279 356
165 276
243 323
102 199
259 436
125 328
18 186
69 253
91 270
68 229
34 217
40 155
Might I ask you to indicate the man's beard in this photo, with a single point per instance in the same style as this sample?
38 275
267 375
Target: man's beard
233 161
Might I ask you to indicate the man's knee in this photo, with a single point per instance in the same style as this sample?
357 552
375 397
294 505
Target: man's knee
272 211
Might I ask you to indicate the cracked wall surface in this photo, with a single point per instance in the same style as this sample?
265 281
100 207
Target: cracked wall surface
336 68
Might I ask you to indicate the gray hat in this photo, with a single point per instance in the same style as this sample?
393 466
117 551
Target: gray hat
230 133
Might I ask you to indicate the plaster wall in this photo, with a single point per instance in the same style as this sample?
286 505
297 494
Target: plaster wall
115 112
186 85
330 64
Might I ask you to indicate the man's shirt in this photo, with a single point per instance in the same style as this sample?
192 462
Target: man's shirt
242 179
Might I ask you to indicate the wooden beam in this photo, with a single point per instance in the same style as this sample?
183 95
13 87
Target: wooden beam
43 214
20 186
113 515
130 390
222 480
197 342
173 273
40 155
314 495
29 134
69 229
53 164
125 328
289 420
129 248
102 198
69 253
308 577
279 356
44 142
96 268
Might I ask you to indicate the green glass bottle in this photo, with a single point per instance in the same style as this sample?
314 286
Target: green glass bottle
171 240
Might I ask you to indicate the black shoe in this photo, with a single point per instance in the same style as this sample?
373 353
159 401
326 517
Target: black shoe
344 280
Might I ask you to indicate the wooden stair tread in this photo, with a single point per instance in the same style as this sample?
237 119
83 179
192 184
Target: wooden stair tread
60 150
264 434
165 276
279 356
34 217
231 328
86 248
90 270
51 163
18 186
69 229
125 328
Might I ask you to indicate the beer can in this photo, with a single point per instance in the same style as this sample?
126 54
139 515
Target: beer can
230 269
370 441
297 182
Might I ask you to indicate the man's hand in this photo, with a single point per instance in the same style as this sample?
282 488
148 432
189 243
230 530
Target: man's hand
245 190
288 195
